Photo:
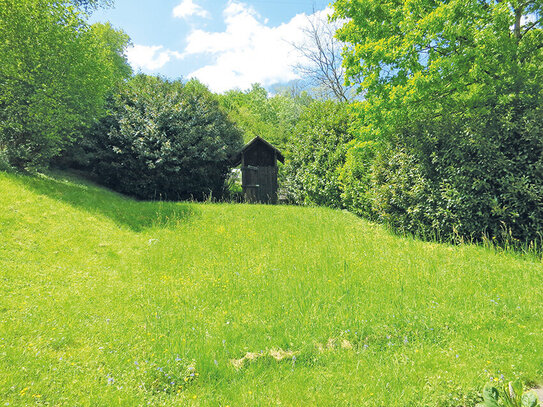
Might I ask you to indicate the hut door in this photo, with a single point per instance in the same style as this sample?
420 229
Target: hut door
267 179
251 185
260 184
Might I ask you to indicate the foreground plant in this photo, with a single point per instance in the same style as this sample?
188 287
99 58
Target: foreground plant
512 395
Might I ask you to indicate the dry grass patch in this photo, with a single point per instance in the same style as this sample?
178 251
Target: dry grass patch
276 354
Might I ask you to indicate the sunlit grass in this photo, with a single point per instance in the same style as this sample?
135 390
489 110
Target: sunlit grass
106 301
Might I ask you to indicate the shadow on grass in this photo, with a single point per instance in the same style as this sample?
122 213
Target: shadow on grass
124 211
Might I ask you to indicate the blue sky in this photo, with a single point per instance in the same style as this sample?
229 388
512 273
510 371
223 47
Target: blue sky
226 44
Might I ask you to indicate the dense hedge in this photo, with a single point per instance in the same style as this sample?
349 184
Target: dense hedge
163 140
473 176
315 154
470 178
355 178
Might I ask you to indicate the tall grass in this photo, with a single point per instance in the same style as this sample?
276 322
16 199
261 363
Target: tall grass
110 302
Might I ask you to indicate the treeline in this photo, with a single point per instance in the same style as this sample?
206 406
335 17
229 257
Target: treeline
448 140
445 139
69 99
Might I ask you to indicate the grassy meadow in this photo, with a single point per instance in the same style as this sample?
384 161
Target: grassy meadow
105 301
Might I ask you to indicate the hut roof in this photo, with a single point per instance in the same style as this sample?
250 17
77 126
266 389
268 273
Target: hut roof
237 158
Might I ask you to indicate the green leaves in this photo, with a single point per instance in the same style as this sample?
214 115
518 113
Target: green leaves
512 395
529 399
422 56
55 73
453 94
258 114
490 396
316 153
163 140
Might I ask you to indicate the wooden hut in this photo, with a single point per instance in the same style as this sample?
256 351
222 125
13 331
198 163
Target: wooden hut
258 161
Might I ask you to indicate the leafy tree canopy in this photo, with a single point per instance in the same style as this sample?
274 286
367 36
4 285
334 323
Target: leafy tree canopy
89 5
259 114
425 57
454 90
55 73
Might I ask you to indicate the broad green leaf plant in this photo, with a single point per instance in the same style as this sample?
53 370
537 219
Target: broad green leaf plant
511 395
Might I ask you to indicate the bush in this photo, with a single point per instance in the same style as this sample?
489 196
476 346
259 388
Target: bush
315 154
163 140
402 195
355 178
4 162
471 178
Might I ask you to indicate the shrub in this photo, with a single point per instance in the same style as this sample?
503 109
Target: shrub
402 195
468 177
163 140
355 178
4 162
315 154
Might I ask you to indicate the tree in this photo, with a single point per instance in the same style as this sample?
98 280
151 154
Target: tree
322 61
427 58
90 5
163 140
113 45
258 114
55 73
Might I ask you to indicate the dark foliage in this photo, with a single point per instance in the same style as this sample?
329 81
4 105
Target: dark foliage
466 178
355 178
163 140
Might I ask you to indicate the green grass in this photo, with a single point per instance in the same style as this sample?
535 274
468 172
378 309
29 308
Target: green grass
102 298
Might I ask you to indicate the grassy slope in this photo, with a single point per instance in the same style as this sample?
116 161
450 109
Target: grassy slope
102 298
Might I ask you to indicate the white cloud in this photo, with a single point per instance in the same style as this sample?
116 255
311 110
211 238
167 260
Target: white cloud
248 50
150 57
188 8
